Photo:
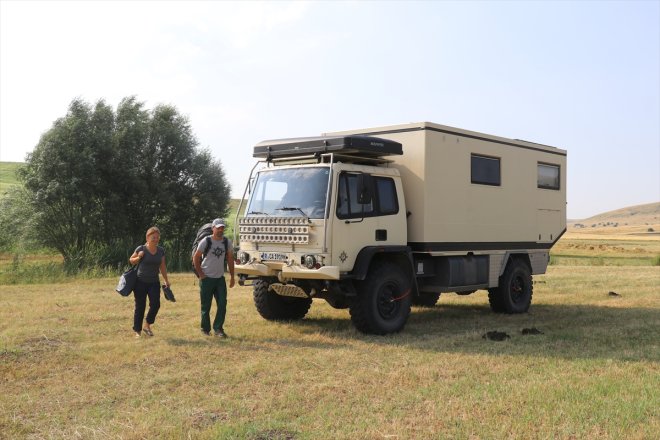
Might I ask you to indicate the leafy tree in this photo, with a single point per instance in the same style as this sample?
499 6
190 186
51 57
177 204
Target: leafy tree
17 230
98 179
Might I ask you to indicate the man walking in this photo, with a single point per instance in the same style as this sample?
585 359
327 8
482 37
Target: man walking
209 260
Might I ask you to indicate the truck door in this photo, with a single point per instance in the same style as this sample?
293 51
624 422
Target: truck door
367 214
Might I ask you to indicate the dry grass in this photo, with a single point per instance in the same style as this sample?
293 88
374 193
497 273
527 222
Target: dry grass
579 248
70 367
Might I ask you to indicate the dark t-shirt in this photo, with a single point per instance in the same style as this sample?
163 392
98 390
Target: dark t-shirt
150 264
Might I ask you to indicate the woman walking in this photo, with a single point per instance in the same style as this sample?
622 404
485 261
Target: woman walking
151 258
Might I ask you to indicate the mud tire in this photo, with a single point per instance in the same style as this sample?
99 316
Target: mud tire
274 307
383 302
514 294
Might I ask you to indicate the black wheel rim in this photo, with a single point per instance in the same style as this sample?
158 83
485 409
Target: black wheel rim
517 289
388 305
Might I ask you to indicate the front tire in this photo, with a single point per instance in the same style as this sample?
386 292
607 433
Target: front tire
274 307
514 294
382 305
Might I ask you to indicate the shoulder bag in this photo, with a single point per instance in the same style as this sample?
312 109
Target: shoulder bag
127 281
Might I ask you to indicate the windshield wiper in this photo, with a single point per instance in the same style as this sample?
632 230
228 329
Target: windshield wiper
286 208
257 213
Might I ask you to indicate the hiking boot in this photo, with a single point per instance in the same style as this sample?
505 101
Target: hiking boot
207 333
220 333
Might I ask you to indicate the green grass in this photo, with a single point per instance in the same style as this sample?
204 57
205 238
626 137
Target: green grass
619 252
8 175
70 367
585 260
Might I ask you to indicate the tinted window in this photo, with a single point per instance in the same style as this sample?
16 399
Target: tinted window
384 201
347 202
386 193
548 176
486 170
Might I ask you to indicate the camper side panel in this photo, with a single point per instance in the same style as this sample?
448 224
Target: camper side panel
482 191
469 191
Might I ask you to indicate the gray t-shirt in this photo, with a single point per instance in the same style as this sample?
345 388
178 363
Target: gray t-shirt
149 266
213 265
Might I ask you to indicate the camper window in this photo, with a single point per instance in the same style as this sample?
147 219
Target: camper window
548 176
486 170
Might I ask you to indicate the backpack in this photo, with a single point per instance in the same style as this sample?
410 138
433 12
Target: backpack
204 233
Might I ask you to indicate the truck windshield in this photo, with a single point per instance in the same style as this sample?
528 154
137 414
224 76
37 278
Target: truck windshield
290 192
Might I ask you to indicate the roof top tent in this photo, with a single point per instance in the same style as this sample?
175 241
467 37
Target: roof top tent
362 146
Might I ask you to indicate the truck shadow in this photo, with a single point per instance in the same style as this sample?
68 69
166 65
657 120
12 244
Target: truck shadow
561 331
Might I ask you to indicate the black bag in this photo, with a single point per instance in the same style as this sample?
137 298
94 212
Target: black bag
168 293
204 233
127 281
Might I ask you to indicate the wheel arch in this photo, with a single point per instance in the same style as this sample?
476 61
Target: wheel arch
515 256
366 257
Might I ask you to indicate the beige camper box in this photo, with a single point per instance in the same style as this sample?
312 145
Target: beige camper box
378 219
447 207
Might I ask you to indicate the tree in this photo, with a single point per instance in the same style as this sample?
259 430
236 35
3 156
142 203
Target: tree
16 224
98 179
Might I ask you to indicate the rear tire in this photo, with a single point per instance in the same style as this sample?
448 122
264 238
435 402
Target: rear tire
274 307
383 302
514 294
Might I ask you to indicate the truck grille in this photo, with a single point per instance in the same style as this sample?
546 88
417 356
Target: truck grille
274 229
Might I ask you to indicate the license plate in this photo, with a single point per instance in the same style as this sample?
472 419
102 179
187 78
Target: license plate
274 256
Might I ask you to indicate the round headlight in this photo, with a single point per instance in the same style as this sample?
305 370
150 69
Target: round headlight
310 261
243 257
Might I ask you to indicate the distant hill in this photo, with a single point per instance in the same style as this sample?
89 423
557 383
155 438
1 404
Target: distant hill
8 174
633 219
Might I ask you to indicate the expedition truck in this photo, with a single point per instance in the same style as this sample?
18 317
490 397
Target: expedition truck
376 220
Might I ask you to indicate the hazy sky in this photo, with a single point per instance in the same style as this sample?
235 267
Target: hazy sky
582 76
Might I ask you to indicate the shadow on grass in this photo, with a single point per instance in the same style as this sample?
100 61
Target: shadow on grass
567 331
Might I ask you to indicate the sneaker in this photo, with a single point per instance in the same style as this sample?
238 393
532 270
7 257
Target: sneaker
206 332
220 333
138 335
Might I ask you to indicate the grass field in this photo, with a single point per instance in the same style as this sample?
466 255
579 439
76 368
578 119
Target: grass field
71 368
8 175
608 250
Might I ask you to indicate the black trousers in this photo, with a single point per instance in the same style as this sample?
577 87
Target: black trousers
141 291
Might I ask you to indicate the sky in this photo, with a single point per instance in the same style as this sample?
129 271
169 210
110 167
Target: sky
583 76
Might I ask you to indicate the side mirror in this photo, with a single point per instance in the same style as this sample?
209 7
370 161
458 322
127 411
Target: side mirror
364 189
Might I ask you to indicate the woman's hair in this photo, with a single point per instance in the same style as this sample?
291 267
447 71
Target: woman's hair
152 230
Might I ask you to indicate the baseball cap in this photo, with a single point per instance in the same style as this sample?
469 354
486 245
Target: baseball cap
218 222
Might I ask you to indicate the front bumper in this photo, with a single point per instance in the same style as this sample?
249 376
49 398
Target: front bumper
288 272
